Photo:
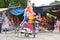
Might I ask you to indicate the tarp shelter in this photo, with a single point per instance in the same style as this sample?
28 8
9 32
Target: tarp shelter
39 10
17 11
54 10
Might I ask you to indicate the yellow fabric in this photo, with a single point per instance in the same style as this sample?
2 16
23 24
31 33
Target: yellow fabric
30 19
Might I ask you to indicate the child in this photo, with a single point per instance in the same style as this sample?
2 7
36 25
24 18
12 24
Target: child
34 29
56 26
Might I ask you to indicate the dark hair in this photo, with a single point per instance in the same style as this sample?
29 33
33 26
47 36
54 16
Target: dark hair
33 4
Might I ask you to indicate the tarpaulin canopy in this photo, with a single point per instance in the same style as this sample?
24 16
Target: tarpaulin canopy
39 10
16 11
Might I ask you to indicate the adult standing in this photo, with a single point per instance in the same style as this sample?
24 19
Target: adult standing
1 20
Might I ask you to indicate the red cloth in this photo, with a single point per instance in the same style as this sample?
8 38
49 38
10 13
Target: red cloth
30 26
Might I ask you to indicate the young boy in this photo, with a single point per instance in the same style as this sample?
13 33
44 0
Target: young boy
34 28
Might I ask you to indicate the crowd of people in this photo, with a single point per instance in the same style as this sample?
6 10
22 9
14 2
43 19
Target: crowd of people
39 23
33 22
36 23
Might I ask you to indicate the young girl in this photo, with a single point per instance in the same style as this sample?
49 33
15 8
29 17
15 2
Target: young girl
57 26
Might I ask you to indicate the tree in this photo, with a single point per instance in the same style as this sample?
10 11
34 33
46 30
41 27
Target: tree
2 3
12 3
55 2
6 3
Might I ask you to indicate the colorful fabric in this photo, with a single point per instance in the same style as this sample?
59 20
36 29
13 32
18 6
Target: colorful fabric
26 25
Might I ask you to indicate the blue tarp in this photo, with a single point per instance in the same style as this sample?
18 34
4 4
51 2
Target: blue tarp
37 10
17 11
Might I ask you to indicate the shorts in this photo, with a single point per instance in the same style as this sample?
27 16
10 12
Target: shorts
34 32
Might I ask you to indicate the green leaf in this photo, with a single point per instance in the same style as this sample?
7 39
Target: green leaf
12 3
